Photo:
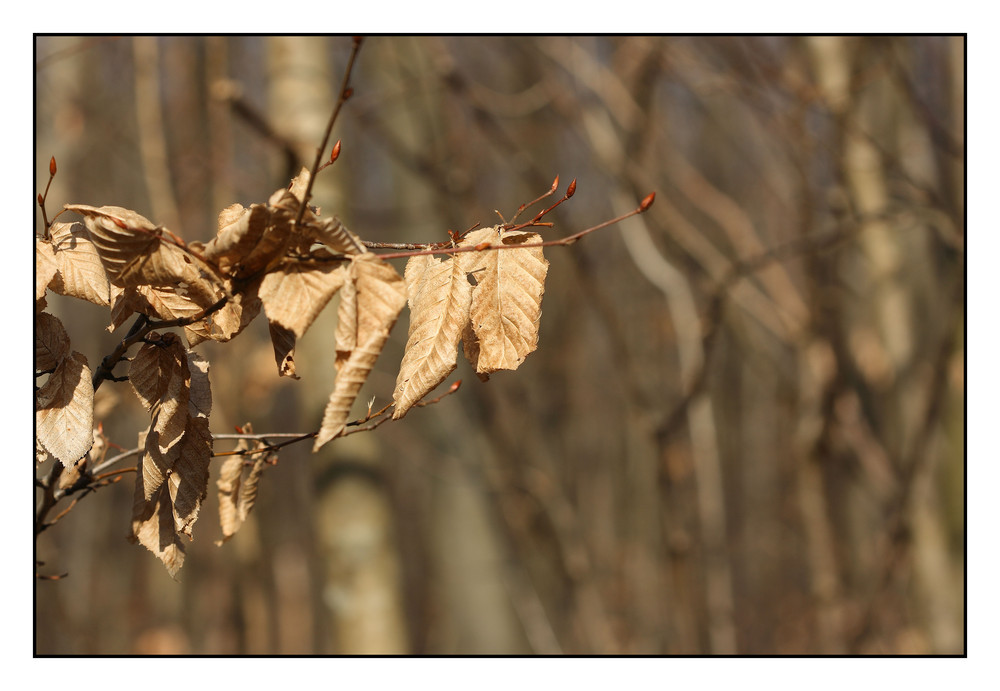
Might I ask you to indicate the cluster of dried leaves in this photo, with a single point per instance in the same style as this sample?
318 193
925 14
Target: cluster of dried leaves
289 262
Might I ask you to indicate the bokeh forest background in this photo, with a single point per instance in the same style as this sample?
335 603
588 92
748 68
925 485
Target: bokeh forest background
743 428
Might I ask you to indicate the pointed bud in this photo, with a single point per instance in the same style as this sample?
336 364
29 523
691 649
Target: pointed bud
336 152
40 200
52 166
454 387
571 190
555 185
647 202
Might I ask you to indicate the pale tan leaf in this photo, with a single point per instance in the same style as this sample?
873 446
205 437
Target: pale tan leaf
507 299
346 335
200 399
160 377
381 294
51 342
283 342
188 480
64 410
240 233
45 267
414 272
439 311
227 322
237 495
153 528
332 233
134 253
295 294
81 273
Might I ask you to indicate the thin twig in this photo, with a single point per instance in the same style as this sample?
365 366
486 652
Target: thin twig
345 93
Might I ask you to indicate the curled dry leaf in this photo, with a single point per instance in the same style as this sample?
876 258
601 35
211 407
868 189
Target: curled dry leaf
161 379
240 240
80 271
134 253
379 295
440 295
45 270
283 342
173 384
332 233
237 495
51 342
64 410
293 296
507 300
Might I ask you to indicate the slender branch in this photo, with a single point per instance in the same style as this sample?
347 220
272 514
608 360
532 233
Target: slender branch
142 326
569 240
345 93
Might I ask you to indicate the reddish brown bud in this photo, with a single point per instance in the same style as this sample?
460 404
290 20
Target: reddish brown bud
571 190
454 387
348 92
52 166
647 202
555 185
483 245
40 199
336 152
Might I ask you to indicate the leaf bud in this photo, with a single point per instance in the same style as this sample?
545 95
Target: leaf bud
647 202
571 190
52 166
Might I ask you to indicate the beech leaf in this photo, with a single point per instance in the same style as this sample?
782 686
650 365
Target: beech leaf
295 294
380 295
134 253
64 410
160 376
507 299
51 342
80 271
237 495
440 296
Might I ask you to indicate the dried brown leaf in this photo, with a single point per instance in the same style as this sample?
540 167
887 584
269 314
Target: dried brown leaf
240 233
80 271
64 410
45 267
160 377
237 495
227 322
440 296
507 299
51 342
283 342
188 481
332 233
153 528
346 335
380 295
295 294
173 478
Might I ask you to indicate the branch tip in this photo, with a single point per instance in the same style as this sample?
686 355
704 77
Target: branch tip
647 202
